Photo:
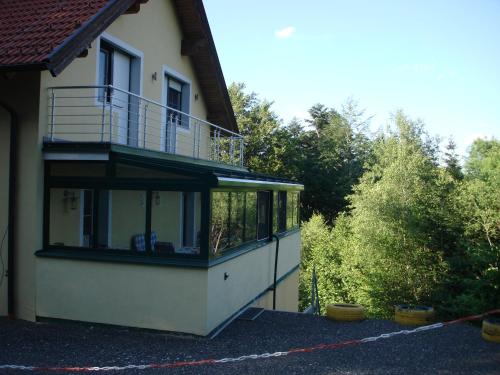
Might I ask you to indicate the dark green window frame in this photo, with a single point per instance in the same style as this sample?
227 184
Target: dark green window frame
110 182
196 183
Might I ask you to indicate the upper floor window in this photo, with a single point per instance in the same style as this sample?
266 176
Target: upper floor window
105 76
178 94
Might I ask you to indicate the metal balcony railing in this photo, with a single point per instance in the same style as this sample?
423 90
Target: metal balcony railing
109 114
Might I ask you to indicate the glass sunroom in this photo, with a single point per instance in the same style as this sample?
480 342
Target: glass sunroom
158 241
129 208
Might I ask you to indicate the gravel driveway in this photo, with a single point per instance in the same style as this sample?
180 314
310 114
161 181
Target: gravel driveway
457 349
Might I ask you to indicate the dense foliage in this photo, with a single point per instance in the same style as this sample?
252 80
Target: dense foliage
327 154
388 218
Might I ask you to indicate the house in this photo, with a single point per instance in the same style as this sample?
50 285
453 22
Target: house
124 198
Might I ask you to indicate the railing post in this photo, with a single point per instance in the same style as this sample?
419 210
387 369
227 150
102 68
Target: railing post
103 114
217 144
145 125
242 150
199 139
53 104
231 149
169 133
110 115
194 137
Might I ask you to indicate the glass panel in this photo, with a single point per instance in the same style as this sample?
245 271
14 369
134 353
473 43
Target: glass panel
251 216
174 99
104 74
237 217
219 231
166 221
290 210
66 217
101 80
191 223
275 212
296 208
263 198
127 219
87 208
175 222
281 211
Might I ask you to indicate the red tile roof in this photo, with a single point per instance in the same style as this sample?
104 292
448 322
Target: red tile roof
30 30
50 34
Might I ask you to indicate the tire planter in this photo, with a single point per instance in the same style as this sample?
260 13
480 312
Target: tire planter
413 315
345 312
491 329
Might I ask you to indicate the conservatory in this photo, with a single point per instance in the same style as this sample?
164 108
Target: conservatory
159 243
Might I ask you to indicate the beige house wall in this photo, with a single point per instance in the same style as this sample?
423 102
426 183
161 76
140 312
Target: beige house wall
156 33
250 275
4 205
155 297
287 295
166 298
20 91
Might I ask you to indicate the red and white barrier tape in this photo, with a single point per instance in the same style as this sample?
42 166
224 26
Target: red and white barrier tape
251 356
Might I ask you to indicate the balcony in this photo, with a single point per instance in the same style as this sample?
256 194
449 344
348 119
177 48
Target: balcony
107 114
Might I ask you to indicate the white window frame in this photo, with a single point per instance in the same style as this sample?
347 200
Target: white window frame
136 54
167 71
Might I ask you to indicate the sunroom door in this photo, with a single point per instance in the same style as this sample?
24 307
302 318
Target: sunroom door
121 101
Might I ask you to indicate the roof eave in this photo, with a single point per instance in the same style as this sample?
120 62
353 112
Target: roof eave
77 42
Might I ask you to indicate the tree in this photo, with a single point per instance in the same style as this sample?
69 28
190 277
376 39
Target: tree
391 250
327 155
451 160
473 283
260 127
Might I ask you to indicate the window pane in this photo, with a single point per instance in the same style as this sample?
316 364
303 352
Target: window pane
263 198
87 207
128 219
219 231
101 80
290 210
104 76
175 222
191 223
66 218
295 208
237 216
166 220
174 99
275 212
281 211
251 216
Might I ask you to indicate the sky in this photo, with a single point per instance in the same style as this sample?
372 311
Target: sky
437 60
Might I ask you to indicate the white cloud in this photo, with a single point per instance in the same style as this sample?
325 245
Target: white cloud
284 33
